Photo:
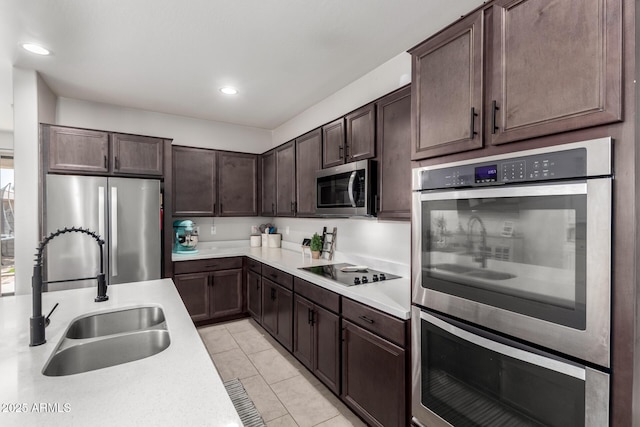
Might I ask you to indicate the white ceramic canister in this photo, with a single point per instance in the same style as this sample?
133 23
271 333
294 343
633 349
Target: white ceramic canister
264 240
274 240
256 241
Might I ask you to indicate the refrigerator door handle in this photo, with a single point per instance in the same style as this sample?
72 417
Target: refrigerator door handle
114 231
101 212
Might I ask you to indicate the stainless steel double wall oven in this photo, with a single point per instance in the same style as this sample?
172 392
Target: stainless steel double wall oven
511 288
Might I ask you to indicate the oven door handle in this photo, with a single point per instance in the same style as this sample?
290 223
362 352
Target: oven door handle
352 180
516 353
564 189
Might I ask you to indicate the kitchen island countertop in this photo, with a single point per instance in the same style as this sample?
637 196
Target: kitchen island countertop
178 386
392 297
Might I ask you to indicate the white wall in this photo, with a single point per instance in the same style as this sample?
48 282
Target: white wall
384 240
227 228
6 140
183 130
388 77
32 100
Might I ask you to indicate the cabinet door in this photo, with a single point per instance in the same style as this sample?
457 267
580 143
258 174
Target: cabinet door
308 161
194 182
254 295
77 150
333 153
303 339
237 183
286 180
285 317
137 155
268 184
226 293
556 66
373 377
269 306
194 290
394 155
361 134
326 363
447 90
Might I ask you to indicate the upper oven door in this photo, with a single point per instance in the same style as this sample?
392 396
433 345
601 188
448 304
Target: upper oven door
532 261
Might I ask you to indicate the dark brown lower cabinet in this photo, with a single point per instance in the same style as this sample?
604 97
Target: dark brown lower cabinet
211 295
316 341
254 295
277 312
373 376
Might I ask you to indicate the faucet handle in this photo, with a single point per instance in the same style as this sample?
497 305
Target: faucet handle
46 319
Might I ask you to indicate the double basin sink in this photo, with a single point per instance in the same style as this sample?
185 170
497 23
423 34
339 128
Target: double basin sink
101 340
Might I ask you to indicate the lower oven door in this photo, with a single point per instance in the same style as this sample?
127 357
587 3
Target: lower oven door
463 376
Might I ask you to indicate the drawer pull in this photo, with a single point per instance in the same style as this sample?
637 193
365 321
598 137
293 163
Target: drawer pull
366 319
273 276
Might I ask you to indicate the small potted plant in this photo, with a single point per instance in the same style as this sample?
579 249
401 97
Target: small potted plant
316 246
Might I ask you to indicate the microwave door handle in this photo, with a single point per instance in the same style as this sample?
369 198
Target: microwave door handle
352 180
516 353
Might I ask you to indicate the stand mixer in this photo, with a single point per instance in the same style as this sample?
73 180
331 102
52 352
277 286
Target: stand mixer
185 237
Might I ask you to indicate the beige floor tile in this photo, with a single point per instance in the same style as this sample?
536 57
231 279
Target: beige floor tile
218 340
239 325
342 408
339 421
285 421
251 341
233 364
265 400
304 402
273 366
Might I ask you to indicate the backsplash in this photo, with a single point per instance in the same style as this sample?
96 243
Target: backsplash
385 240
226 228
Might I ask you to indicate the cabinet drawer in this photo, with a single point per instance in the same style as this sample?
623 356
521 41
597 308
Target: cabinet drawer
317 294
280 277
255 266
211 264
369 318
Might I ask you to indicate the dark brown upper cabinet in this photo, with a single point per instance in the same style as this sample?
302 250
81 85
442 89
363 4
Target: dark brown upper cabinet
333 140
136 155
447 90
361 134
268 183
555 66
286 179
308 161
544 66
237 184
84 151
76 150
194 182
394 155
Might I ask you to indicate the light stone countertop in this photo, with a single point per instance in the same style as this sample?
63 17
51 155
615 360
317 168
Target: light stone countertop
178 386
392 297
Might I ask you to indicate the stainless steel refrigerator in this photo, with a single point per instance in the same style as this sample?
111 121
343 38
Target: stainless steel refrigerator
124 211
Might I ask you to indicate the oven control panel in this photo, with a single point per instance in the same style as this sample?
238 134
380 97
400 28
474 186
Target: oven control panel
539 167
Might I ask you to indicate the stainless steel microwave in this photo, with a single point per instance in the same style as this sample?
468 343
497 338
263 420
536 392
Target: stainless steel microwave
347 190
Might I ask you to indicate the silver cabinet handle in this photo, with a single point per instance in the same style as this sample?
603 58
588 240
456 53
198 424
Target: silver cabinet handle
114 231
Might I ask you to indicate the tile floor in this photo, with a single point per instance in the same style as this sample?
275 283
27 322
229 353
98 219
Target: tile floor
282 389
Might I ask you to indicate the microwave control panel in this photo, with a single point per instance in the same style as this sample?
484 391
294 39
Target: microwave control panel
540 167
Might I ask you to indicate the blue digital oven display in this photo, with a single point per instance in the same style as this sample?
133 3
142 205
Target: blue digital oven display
486 173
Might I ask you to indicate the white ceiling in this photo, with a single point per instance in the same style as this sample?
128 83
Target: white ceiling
171 56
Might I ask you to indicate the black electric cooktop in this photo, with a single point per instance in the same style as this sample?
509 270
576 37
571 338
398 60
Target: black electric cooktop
360 276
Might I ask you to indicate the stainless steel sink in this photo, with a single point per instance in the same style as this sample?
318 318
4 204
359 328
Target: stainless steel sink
106 352
115 322
101 340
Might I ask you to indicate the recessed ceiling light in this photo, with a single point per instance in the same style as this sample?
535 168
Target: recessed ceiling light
228 90
37 49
